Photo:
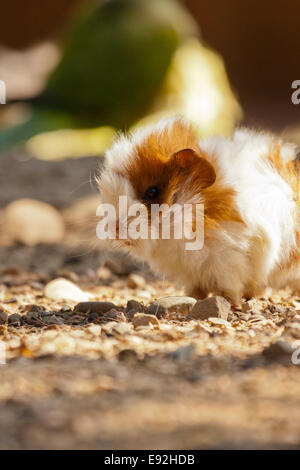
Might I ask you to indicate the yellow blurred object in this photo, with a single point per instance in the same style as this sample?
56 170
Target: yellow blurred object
64 143
197 87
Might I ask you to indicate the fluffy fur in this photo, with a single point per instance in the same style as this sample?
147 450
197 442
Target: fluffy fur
251 206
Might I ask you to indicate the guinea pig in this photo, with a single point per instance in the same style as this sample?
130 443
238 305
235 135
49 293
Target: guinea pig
248 185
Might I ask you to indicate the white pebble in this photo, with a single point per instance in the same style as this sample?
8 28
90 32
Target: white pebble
30 222
62 289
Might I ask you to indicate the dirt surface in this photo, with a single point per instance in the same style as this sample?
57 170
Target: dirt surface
81 380
58 183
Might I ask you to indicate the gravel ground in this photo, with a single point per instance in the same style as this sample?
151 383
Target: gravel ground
110 380
96 380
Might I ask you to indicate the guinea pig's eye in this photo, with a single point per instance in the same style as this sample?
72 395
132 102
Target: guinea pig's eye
151 193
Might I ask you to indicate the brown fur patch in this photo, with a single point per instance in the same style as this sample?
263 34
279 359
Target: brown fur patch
150 164
219 206
155 163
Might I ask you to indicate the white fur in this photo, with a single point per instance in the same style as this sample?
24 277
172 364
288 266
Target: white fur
236 255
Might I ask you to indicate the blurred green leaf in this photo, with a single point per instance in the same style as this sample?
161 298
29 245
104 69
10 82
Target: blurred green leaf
113 64
40 121
114 59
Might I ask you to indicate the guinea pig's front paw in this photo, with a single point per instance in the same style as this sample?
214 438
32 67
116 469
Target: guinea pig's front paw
233 297
251 293
197 293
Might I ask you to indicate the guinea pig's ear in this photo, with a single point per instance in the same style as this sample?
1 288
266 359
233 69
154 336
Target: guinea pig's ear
189 159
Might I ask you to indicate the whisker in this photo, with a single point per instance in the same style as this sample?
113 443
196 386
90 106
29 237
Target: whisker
79 186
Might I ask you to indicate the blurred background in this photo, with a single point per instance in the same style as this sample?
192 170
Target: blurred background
259 42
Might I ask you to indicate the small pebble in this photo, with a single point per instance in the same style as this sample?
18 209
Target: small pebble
276 309
32 308
52 320
104 273
142 319
251 306
30 221
136 281
211 307
63 289
171 304
245 316
3 318
219 321
94 329
156 309
295 304
114 315
122 328
130 313
14 319
134 305
94 307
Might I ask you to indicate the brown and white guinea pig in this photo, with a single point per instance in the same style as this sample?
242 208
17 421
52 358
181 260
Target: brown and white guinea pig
249 186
